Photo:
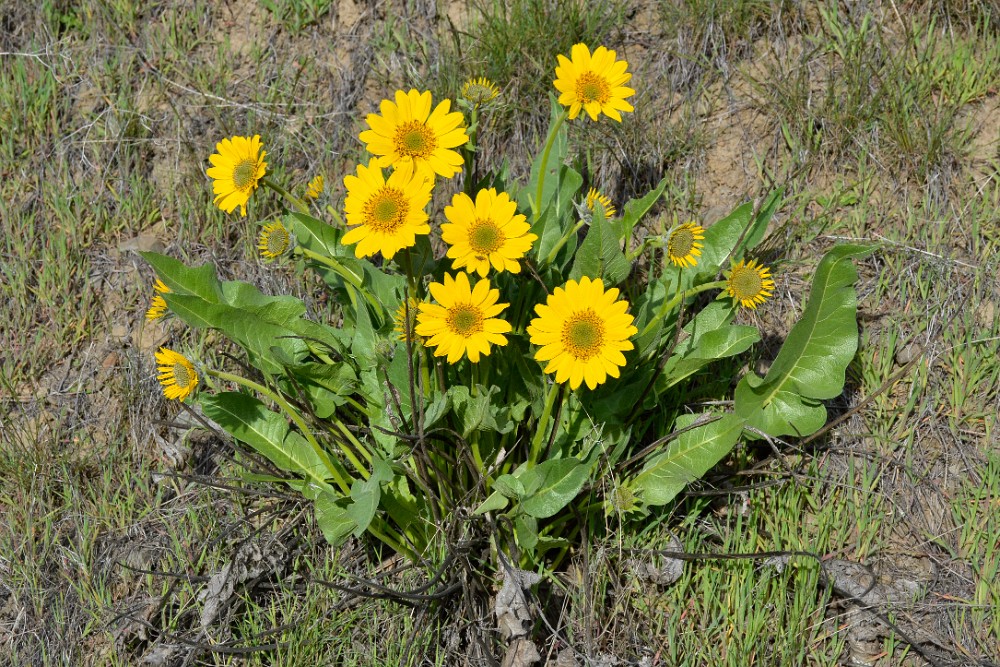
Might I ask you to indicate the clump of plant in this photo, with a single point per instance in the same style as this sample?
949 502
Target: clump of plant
501 358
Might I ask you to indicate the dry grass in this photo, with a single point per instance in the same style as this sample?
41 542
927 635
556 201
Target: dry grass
880 119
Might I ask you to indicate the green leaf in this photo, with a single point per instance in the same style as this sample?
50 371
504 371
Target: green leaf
251 330
476 413
250 421
687 458
710 337
526 532
600 255
556 218
721 238
333 519
560 482
496 502
200 280
365 495
636 210
314 234
277 309
510 486
811 364
758 228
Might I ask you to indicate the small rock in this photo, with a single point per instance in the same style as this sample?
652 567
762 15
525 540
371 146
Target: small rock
907 354
143 243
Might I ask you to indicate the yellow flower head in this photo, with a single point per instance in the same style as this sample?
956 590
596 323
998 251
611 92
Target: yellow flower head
158 305
387 214
409 132
479 91
487 231
177 374
683 248
274 240
236 168
464 319
749 283
594 197
582 330
406 319
315 187
594 83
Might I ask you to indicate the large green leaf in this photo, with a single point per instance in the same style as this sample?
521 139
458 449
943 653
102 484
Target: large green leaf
250 421
811 364
687 458
555 482
251 330
182 279
333 519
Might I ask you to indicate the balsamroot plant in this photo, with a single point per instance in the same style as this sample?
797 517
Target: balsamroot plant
500 357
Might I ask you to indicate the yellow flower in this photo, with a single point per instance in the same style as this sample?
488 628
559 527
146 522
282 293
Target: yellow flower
388 214
594 83
406 319
594 197
315 187
464 319
479 91
158 305
683 248
487 231
409 132
274 240
177 374
237 167
749 283
582 331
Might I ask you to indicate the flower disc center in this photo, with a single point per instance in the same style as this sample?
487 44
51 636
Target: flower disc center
278 241
485 238
386 211
583 334
465 320
746 283
244 173
181 375
681 243
414 139
592 88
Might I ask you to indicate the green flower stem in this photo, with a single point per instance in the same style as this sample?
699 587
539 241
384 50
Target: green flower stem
342 271
336 470
543 424
672 303
356 444
390 537
562 241
550 140
296 202
337 267
335 214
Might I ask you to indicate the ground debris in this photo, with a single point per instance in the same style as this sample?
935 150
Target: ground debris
659 570
511 605
250 561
